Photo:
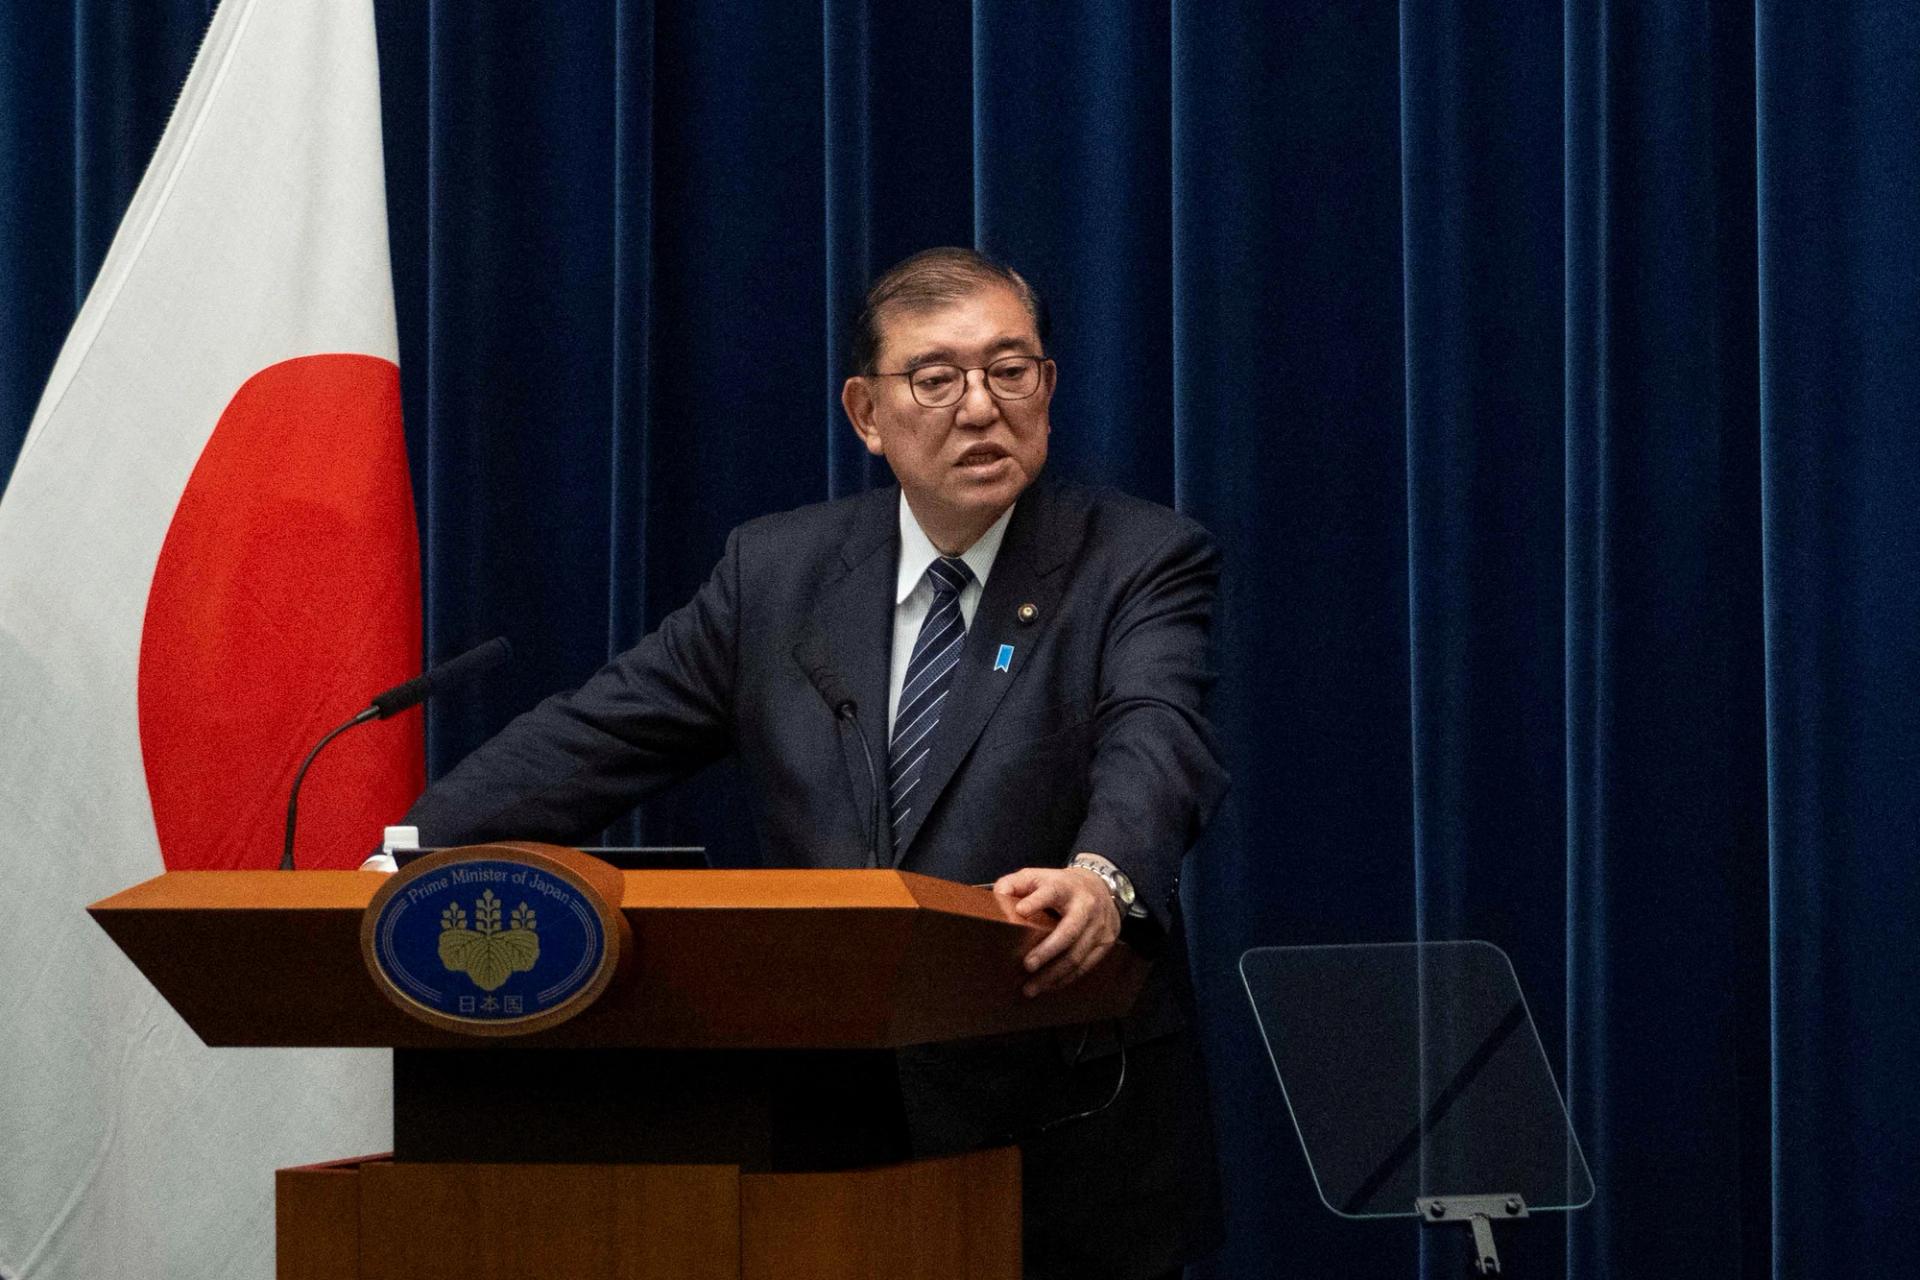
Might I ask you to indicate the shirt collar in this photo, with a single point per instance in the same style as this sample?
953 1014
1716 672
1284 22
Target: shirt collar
917 551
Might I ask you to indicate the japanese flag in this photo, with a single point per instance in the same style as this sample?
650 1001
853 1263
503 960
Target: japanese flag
207 559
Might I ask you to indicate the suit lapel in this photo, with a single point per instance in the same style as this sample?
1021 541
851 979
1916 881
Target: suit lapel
853 625
1039 540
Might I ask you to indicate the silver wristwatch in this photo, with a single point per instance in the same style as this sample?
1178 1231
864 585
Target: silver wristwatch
1117 884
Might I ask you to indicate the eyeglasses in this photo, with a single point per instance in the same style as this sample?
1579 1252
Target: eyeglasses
936 386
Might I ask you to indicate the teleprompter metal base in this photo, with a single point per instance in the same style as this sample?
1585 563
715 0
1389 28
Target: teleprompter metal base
1478 1212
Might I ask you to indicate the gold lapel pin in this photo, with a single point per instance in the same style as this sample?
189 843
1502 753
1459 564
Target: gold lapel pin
1027 612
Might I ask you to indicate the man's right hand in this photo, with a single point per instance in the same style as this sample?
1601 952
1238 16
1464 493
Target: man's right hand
1089 922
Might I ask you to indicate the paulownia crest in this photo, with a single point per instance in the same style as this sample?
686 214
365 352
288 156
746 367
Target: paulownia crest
488 953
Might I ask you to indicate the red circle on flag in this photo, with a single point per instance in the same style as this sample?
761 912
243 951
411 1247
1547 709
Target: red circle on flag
287 593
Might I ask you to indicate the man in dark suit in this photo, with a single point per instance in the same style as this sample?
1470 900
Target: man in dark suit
1036 655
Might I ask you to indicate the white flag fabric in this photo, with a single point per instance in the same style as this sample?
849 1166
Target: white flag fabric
207 559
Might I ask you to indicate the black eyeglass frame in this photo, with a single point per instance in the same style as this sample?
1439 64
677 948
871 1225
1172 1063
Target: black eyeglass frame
963 371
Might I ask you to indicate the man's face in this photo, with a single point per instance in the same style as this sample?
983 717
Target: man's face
962 465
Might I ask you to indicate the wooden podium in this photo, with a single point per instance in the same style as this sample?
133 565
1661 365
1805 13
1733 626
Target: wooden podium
726 1108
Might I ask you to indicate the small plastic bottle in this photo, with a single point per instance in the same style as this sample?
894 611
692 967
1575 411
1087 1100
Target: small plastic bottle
394 840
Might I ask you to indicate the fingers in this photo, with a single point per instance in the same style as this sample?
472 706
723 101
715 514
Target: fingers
1087 929
1016 884
1034 889
1070 966
1074 919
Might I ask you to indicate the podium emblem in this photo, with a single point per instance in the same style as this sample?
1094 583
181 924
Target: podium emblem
487 953
495 939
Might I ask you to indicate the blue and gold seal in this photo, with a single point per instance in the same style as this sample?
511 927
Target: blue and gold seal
499 939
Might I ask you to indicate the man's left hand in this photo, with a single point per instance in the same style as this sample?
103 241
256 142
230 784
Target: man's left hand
1088 927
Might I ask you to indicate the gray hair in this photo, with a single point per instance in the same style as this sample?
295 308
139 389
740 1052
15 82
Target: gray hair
936 278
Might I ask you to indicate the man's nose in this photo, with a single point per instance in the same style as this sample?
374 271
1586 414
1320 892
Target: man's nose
977 405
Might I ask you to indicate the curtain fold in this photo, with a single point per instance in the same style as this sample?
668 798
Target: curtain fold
1545 373
1072 119
1665 700
1839 281
1289 402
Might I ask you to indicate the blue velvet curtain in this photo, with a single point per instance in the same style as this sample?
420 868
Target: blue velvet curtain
1546 373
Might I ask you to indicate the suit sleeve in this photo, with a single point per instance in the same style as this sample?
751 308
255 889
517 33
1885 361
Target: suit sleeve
566 769
1156 777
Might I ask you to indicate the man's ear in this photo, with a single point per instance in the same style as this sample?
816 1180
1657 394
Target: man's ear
1041 400
856 397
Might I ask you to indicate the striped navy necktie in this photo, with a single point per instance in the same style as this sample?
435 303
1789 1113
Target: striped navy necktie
923 693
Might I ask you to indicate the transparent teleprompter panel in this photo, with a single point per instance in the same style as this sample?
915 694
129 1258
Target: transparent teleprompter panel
1414 1070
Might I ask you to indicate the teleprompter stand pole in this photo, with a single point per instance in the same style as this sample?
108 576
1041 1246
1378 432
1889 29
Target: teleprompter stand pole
1478 1212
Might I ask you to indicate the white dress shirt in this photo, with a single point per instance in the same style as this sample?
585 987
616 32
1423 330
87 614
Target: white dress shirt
913 595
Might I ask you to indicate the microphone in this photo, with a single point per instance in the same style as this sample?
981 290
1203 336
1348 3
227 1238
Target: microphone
391 702
834 691
452 672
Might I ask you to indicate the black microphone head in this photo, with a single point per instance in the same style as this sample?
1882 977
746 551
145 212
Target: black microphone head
827 682
475 661
839 696
811 653
455 671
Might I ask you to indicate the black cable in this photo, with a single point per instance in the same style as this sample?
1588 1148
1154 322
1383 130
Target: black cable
851 715
293 797
1119 1083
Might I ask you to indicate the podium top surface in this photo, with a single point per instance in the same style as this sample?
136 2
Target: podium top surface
720 959
812 890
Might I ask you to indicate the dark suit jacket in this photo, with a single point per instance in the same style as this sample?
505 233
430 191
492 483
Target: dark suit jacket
1094 738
